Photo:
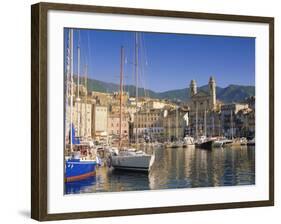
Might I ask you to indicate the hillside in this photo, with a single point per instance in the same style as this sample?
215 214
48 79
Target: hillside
231 93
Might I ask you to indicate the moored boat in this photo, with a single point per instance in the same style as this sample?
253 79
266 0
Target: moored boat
207 144
218 143
188 141
177 144
123 158
221 142
251 142
204 143
77 169
131 159
168 144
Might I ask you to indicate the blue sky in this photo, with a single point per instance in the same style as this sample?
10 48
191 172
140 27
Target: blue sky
168 61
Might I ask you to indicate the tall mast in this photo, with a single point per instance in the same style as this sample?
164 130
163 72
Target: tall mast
196 122
86 97
71 78
121 95
219 120
169 129
205 123
231 123
78 83
67 89
136 74
177 120
213 120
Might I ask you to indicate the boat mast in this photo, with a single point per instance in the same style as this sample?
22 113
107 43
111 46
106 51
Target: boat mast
213 120
67 131
231 122
86 97
136 77
196 122
205 123
169 129
78 80
177 120
219 126
71 78
121 95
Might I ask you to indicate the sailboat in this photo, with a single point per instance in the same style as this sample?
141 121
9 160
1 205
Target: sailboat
204 142
188 140
129 158
76 169
177 143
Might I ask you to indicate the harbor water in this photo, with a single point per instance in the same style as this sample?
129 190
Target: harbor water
177 168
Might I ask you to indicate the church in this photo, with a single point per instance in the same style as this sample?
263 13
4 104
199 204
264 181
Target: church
203 115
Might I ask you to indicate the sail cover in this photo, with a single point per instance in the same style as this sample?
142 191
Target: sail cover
74 139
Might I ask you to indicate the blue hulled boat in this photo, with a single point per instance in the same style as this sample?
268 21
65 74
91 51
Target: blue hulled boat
75 168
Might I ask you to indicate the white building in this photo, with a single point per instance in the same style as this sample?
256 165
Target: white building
99 116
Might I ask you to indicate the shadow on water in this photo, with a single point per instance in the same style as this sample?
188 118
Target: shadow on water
177 168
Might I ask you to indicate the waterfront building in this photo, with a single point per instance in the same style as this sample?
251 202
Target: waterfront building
132 101
113 125
149 123
230 124
82 118
115 98
99 117
213 124
103 99
82 89
245 123
174 123
154 104
251 102
204 110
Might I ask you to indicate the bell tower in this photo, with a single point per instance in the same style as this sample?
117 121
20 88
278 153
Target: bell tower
212 89
192 88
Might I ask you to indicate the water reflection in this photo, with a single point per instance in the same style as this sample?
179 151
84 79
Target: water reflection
177 168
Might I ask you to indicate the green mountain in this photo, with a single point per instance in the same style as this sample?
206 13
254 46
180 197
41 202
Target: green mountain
236 93
231 93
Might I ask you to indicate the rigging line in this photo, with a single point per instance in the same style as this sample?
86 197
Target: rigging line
144 63
142 67
125 72
84 50
87 60
88 50
144 50
142 78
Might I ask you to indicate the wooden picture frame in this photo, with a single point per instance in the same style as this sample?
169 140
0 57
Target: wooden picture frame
39 109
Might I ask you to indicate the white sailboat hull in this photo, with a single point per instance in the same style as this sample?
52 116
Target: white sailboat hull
134 163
